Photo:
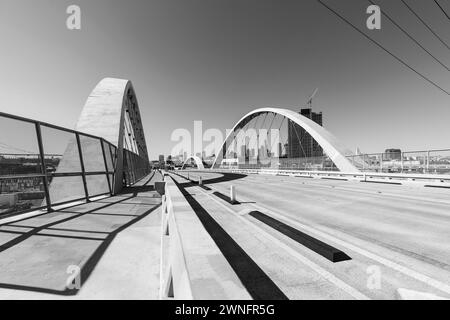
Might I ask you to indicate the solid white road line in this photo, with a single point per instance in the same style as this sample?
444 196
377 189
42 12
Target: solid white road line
406 271
324 273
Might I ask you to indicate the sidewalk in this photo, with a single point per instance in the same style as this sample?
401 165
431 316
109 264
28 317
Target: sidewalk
114 241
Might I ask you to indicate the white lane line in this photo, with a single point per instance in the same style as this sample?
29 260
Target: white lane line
367 191
406 271
383 193
325 274
409 272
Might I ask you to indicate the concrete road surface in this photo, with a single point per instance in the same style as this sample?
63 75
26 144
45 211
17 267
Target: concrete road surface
398 237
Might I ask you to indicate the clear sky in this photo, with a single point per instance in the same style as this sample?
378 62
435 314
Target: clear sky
215 60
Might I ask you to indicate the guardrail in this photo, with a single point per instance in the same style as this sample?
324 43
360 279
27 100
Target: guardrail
25 176
397 178
192 266
424 161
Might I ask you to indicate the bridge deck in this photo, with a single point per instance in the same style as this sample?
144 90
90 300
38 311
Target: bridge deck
395 236
397 232
115 241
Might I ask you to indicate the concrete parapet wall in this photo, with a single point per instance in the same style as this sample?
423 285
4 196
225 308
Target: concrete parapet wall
192 266
429 180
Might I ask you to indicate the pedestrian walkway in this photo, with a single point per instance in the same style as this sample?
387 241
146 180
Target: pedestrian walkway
114 242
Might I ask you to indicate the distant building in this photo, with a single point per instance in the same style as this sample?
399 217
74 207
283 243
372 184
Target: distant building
392 154
161 159
280 149
300 142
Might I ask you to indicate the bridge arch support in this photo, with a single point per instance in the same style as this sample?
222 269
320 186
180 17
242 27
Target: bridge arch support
331 146
111 113
197 160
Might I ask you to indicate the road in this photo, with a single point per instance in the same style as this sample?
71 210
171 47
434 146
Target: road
397 237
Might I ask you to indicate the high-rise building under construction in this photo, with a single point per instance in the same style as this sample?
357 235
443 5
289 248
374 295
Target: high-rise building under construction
300 142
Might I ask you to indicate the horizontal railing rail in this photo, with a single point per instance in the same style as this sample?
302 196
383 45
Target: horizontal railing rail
26 176
400 178
433 161
190 259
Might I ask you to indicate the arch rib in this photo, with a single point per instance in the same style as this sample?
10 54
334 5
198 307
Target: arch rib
197 160
111 112
329 143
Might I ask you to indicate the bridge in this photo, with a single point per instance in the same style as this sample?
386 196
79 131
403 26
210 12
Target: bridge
285 211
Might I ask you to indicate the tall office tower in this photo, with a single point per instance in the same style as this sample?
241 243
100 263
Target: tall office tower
300 142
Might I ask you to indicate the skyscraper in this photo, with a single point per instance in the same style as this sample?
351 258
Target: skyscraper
300 142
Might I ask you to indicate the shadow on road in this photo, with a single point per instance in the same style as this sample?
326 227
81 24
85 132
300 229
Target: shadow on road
223 177
256 281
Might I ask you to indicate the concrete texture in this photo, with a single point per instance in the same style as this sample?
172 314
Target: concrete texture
115 242
191 258
406 294
399 231
396 236
103 116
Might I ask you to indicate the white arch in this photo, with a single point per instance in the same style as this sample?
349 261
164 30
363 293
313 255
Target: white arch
110 103
197 160
329 143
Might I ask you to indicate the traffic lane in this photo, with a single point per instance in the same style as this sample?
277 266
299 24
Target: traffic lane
296 279
363 216
357 275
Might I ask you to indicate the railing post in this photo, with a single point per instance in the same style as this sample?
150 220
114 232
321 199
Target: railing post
43 166
83 172
106 167
401 160
381 162
114 165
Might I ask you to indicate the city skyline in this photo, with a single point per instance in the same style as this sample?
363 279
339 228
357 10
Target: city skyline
210 62
201 151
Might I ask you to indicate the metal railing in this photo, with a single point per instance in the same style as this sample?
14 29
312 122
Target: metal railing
424 161
26 177
415 162
434 180
190 259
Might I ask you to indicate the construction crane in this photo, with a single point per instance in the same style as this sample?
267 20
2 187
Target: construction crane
309 101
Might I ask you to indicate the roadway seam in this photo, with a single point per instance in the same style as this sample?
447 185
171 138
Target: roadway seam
390 264
324 273
393 195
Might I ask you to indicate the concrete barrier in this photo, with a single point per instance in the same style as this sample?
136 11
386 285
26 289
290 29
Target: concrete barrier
429 180
192 266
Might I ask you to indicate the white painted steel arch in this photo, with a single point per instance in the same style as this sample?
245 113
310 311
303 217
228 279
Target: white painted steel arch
197 160
329 143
